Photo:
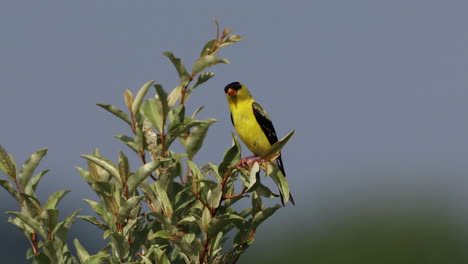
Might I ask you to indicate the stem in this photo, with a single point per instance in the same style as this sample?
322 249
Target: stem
182 95
125 190
34 243
133 126
223 183
187 172
205 250
212 211
184 90
235 195
163 143
18 187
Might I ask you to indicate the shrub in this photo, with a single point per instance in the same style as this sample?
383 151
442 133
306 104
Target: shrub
169 210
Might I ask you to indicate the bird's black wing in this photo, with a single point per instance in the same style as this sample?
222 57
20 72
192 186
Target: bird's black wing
265 123
267 126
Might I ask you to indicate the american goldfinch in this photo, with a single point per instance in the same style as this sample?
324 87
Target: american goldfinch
252 123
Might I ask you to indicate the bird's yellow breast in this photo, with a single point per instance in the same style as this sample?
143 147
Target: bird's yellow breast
247 126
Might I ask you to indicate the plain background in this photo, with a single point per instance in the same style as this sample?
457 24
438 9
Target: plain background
376 90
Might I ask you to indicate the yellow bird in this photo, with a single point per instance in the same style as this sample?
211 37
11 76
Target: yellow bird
252 123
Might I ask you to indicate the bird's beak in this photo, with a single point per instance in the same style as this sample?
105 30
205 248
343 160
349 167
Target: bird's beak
232 92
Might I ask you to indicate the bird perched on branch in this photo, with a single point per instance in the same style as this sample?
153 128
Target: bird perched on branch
252 123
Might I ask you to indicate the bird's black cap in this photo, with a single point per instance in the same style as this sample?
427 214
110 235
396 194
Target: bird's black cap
235 85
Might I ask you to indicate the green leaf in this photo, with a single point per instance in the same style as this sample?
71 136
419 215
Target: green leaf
253 175
127 206
117 112
165 221
195 139
34 225
85 175
152 110
101 211
176 116
7 164
41 258
162 96
211 184
61 229
181 70
130 142
20 224
205 62
50 249
180 129
197 111
261 189
195 170
146 260
140 96
164 260
29 166
119 245
231 40
256 203
263 215
54 199
188 220
97 259
104 164
160 233
231 157
216 194
214 169
93 220
217 244
124 167
276 148
202 78
9 188
207 47
281 182
141 174
32 184
82 253
220 222
32 205
128 98
49 218
174 95
205 220
162 198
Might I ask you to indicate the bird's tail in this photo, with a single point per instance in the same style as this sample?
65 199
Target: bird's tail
279 161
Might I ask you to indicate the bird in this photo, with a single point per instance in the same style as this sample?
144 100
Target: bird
252 123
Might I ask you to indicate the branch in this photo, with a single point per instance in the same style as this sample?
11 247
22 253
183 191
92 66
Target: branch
212 211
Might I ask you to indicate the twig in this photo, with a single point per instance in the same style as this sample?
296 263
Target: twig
205 250
235 195
34 243
212 211
187 172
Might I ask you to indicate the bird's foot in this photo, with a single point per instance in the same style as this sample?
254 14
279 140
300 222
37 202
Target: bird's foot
252 161
245 161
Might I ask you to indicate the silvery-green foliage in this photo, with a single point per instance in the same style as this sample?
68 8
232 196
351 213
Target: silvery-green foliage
167 210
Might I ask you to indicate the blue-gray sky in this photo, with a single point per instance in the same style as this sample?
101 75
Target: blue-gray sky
377 90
